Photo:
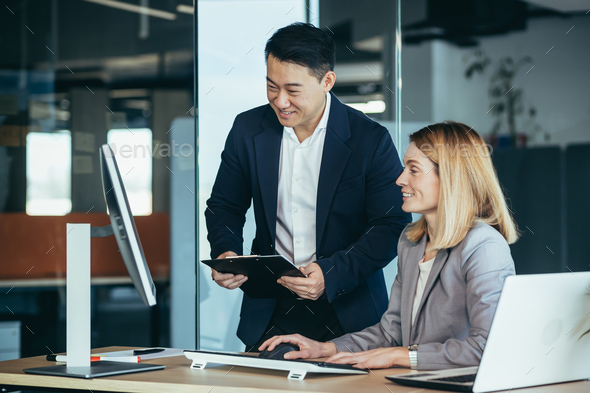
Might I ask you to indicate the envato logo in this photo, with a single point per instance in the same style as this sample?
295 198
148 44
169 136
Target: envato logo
464 150
159 150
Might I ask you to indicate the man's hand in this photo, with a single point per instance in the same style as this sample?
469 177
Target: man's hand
375 358
228 280
311 287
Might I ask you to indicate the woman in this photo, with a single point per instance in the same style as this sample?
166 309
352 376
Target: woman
452 262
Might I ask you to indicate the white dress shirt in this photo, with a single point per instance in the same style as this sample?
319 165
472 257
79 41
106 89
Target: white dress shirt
299 172
425 268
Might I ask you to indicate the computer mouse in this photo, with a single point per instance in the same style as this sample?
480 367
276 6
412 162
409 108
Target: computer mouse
279 351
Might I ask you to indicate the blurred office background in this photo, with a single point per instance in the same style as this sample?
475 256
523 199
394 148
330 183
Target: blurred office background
514 70
75 74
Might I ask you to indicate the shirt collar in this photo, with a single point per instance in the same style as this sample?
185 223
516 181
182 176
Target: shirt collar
322 125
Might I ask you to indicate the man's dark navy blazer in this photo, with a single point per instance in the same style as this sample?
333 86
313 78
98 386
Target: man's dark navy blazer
358 214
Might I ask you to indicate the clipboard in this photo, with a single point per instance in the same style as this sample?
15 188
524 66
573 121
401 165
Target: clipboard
262 271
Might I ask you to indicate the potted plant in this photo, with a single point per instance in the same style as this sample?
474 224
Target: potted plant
506 99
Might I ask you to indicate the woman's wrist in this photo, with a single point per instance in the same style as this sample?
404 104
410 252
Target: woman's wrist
329 349
403 357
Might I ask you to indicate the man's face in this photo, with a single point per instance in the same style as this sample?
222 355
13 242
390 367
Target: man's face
297 97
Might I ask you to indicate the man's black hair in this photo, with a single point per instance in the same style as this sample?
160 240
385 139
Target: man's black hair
305 45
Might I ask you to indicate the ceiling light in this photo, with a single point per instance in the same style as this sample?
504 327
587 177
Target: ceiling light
369 107
185 9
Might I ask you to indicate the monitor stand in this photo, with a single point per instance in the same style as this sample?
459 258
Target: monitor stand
95 370
78 313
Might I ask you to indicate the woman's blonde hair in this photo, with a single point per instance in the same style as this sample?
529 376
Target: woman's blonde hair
469 187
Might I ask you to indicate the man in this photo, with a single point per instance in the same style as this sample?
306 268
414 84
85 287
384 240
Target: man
322 178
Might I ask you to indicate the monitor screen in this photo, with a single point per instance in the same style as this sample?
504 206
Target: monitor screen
124 226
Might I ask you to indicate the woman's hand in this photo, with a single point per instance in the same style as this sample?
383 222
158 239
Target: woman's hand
307 348
375 358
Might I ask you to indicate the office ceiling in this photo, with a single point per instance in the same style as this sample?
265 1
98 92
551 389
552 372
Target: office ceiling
563 5
99 44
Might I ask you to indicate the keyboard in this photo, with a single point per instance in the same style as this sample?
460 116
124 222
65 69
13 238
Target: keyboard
313 362
297 368
459 378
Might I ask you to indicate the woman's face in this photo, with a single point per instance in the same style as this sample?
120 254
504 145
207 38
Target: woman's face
419 182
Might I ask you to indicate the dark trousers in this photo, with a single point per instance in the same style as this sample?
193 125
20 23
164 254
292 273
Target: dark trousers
314 319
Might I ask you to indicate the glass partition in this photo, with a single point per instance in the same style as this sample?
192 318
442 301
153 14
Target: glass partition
232 79
74 75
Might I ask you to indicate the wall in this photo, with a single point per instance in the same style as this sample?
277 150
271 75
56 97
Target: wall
558 85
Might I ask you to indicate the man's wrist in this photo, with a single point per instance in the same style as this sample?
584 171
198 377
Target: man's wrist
226 254
324 263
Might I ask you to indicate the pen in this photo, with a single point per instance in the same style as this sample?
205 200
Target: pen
124 359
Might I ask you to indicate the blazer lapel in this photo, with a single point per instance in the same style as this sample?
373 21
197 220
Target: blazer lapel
267 146
334 158
439 262
410 280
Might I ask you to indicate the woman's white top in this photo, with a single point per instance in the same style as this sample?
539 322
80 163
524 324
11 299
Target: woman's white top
425 268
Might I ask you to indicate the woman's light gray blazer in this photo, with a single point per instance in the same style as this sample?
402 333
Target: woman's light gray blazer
460 298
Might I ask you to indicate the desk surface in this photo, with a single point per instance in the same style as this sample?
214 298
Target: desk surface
178 377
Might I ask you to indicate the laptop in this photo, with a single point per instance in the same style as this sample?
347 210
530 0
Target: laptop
539 335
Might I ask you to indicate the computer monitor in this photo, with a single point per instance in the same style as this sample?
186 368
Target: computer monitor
124 226
78 279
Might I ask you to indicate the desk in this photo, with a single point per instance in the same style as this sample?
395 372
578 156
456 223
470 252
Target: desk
178 377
